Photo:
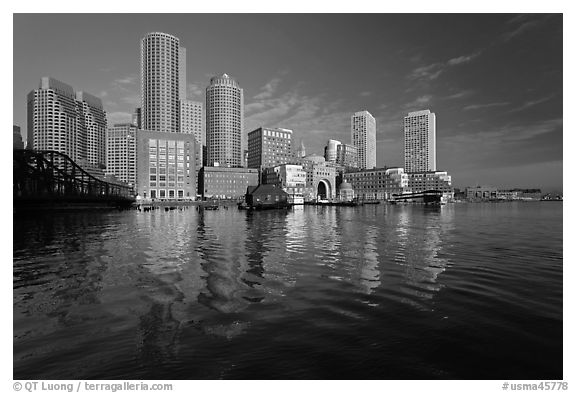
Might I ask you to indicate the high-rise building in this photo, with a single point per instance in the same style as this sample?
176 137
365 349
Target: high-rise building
269 147
192 120
121 152
72 123
363 130
420 142
137 118
163 72
93 121
330 152
17 138
225 139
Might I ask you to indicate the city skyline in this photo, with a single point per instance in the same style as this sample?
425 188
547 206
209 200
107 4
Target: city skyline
503 128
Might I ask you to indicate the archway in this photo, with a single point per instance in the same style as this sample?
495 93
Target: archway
323 190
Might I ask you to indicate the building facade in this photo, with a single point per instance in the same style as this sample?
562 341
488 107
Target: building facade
166 165
363 130
93 122
225 139
226 183
269 147
290 178
377 183
162 69
192 122
481 193
426 181
121 153
68 122
331 150
420 142
320 178
347 156
17 138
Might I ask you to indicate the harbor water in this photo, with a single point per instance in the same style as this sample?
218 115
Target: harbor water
461 291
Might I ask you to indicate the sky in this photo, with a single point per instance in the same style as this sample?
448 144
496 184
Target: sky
494 80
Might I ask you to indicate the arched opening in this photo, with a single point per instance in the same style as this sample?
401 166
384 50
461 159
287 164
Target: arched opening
322 190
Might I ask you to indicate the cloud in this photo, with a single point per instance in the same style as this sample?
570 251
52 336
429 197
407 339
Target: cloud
417 103
118 117
268 90
463 59
460 94
434 70
524 23
134 99
129 80
103 93
529 104
365 94
482 106
194 90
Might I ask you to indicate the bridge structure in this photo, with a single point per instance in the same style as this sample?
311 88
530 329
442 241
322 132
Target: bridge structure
49 178
428 196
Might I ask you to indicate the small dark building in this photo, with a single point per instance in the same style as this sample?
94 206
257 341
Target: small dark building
266 196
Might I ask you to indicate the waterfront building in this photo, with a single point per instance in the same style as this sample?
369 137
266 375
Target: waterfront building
121 153
225 122
68 122
347 155
481 193
225 183
320 178
166 165
269 147
330 151
290 178
426 181
377 183
17 138
363 130
163 65
420 142
266 196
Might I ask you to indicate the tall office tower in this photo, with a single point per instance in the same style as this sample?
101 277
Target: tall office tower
363 129
420 142
121 152
17 138
269 147
61 120
330 150
225 139
93 120
192 122
137 118
161 81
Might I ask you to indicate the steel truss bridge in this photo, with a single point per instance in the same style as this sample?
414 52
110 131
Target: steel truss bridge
48 177
428 196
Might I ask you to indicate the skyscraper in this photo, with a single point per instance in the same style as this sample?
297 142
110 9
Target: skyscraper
363 130
420 142
69 122
225 138
192 120
163 65
121 152
93 122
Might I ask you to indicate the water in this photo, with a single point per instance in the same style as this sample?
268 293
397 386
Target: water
465 291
